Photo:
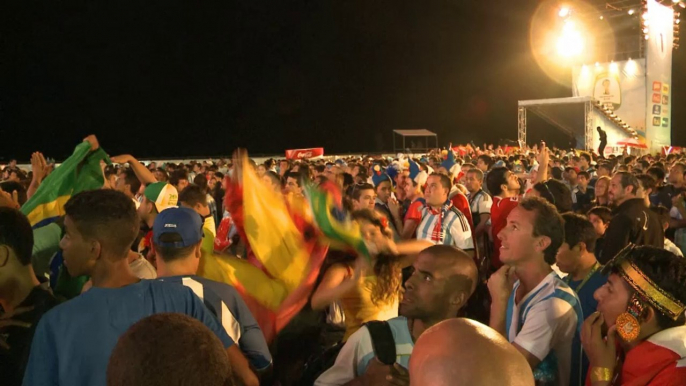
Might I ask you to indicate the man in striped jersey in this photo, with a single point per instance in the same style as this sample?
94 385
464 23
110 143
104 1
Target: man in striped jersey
441 222
177 238
539 314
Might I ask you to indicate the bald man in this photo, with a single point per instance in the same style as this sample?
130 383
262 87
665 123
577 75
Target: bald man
440 357
444 278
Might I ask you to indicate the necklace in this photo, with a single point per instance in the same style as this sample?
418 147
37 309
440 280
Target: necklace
595 267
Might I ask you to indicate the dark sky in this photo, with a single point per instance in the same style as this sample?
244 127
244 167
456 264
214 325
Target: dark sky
177 78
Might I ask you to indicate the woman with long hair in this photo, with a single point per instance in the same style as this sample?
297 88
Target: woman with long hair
367 291
602 190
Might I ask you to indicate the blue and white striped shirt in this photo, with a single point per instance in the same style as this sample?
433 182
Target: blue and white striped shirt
227 305
455 229
545 323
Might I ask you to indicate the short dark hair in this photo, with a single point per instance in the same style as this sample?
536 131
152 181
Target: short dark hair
320 168
445 180
579 230
665 269
586 156
296 176
478 173
177 175
487 159
628 179
165 175
132 180
495 179
168 254
556 193
556 173
201 181
657 173
548 223
584 174
16 233
603 212
193 195
168 349
647 181
106 215
357 190
606 166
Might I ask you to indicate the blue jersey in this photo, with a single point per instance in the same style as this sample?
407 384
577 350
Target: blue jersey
73 341
227 305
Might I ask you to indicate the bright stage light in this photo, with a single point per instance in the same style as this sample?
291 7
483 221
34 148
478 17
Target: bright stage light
614 67
570 43
602 17
631 12
564 12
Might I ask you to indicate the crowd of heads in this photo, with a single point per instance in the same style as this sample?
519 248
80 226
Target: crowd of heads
564 221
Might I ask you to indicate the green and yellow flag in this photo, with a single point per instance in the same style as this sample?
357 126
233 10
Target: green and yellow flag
78 173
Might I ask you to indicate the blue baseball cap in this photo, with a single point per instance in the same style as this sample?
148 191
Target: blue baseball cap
185 222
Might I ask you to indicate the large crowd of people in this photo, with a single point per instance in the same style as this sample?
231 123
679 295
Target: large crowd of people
459 266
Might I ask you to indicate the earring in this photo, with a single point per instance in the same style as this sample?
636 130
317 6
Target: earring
627 323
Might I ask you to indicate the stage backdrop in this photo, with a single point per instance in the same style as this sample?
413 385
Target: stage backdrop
619 85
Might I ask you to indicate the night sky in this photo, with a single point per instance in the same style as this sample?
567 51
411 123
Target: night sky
166 79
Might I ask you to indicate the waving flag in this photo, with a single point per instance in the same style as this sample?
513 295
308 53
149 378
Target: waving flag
284 255
78 173
326 202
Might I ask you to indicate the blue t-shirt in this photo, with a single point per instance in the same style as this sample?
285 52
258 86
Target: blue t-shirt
227 305
588 306
73 341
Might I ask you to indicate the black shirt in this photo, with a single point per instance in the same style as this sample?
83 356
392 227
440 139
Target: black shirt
13 362
632 222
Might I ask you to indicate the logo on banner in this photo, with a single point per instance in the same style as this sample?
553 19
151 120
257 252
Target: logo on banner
657 109
657 98
665 122
665 100
304 153
656 121
608 90
657 86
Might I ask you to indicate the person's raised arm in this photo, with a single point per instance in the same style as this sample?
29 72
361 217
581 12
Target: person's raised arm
144 175
543 161
39 168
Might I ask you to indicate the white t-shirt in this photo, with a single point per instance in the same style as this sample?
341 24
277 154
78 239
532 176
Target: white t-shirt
544 323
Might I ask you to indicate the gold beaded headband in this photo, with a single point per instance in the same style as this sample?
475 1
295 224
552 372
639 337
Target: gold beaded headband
655 295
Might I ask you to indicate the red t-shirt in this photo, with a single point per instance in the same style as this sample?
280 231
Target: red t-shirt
414 212
500 209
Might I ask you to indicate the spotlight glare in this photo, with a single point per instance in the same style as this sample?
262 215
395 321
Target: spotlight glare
602 17
631 12
564 12
570 43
